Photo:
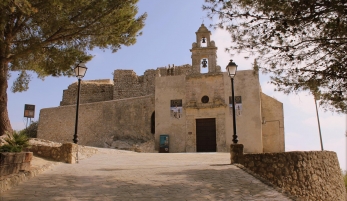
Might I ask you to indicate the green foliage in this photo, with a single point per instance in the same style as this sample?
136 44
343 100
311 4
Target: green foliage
302 43
16 141
10 148
31 131
48 37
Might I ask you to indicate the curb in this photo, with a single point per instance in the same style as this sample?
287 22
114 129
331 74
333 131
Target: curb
10 181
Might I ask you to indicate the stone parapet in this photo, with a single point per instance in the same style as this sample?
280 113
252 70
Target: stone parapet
175 70
236 153
67 152
91 91
309 175
12 163
9 181
127 84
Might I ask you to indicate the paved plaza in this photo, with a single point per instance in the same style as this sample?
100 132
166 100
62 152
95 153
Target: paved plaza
125 176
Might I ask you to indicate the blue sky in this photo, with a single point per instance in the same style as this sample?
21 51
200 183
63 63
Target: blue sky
167 37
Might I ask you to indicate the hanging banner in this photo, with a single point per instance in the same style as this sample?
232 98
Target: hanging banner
176 109
238 103
230 102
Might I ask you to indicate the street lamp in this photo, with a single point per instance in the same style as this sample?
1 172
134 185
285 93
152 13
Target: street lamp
80 70
231 69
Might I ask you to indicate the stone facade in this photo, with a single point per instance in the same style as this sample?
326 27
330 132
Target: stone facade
217 87
272 124
143 107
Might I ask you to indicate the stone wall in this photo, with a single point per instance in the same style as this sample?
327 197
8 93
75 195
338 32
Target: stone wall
127 84
12 163
272 124
91 91
66 153
309 175
99 122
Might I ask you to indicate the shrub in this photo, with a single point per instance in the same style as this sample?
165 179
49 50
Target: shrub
31 131
9 148
16 141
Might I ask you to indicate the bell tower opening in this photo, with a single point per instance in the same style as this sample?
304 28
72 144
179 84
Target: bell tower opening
204 65
204 53
203 42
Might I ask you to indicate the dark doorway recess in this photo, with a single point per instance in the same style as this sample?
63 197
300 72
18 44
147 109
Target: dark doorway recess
206 135
153 123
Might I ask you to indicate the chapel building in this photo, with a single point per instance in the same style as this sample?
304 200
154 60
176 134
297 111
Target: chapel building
191 107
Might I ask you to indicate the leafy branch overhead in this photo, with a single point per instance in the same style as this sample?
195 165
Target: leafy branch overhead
49 36
302 43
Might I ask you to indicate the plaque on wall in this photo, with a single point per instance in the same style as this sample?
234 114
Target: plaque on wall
176 108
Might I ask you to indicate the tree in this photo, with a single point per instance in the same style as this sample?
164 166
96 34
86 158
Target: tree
48 37
302 43
31 130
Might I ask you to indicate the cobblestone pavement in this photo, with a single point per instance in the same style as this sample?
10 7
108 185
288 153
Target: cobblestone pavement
125 176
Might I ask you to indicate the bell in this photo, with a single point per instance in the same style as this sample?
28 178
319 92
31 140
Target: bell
203 40
204 63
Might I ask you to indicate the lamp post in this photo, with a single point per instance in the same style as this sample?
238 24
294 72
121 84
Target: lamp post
80 70
231 69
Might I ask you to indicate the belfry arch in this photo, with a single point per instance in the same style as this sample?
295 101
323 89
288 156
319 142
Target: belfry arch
199 52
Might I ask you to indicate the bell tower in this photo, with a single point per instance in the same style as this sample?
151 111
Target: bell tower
204 52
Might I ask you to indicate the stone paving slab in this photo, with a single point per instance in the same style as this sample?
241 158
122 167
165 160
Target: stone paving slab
128 176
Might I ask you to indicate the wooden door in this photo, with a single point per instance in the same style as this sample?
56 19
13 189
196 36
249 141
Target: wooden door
206 135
